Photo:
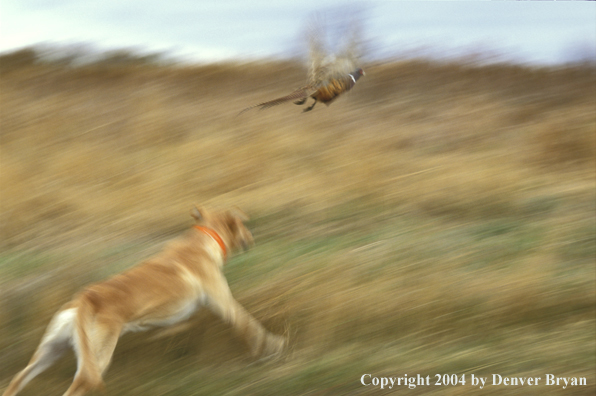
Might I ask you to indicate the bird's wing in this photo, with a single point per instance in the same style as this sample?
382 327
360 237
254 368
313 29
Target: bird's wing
351 47
318 52
334 47
300 93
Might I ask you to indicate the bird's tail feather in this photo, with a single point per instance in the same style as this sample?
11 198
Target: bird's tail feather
301 93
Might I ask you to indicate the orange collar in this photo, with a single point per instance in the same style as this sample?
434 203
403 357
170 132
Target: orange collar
215 237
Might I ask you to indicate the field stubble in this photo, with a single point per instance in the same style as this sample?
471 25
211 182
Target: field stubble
438 219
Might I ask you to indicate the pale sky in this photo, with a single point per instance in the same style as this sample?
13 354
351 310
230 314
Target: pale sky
536 32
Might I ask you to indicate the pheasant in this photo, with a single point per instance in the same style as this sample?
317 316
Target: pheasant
329 75
325 91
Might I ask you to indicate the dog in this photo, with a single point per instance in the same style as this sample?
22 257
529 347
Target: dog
161 291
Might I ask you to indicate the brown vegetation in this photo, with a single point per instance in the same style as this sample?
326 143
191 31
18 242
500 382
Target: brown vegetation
437 219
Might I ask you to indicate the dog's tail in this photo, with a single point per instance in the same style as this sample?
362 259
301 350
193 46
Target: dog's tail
88 375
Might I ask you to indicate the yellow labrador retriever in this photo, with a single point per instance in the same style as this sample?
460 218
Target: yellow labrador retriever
162 291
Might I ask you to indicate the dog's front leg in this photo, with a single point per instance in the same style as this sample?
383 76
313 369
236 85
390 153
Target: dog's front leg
260 341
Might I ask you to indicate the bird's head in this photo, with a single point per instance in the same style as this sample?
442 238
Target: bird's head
357 73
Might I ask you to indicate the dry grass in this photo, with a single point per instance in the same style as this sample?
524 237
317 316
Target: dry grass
438 219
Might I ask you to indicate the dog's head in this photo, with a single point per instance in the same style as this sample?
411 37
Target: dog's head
229 225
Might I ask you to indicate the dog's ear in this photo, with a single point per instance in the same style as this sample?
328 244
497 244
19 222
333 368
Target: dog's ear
236 219
197 214
241 236
239 213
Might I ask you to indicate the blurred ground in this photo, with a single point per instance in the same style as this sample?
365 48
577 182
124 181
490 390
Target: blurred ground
438 219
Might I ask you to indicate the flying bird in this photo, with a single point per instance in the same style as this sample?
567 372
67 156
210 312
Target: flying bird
330 74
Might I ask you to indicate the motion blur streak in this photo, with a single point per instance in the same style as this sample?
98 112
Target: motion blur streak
440 220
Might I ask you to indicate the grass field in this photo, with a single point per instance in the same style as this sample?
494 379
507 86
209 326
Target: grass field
438 219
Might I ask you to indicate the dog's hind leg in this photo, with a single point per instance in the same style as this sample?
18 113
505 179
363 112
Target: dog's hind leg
106 338
53 344
88 375
103 336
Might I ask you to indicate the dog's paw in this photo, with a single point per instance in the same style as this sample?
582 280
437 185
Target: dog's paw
274 346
